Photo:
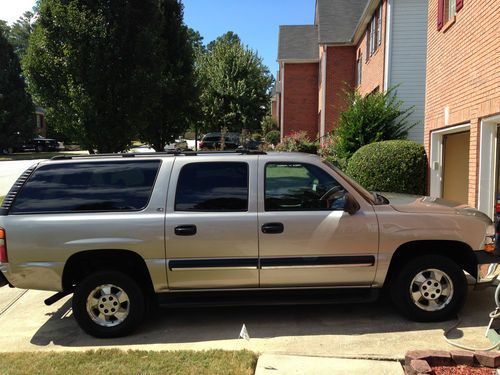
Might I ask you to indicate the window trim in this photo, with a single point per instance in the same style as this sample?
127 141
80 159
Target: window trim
298 210
379 25
159 161
212 211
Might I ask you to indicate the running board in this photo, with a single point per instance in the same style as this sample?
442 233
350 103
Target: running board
269 297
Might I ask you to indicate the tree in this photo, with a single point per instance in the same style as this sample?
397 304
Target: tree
173 93
16 108
88 63
234 85
371 118
20 32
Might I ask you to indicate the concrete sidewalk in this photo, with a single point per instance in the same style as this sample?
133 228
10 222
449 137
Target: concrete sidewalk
275 364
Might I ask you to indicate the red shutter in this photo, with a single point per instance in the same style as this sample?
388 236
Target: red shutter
460 4
440 22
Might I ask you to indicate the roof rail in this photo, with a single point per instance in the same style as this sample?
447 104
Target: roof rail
173 153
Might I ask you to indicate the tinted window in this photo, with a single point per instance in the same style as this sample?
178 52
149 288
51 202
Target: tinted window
301 187
80 187
213 187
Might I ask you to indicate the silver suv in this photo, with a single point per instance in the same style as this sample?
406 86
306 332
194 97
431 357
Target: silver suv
121 232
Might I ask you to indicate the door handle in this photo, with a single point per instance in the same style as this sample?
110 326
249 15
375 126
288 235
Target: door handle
273 228
185 230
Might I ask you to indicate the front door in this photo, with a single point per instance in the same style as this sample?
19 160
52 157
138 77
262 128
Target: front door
305 237
211 223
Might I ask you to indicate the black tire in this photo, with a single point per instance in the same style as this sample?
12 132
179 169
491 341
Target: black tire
448 305
135 306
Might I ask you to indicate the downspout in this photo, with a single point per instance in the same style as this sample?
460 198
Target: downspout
282 101
388 45
323 96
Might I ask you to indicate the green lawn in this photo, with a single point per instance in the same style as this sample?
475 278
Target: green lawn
132 362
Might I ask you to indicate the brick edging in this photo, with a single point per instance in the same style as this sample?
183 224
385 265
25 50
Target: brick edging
421 361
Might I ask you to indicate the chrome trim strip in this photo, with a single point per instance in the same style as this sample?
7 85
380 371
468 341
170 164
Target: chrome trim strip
318 266
266 288
211 268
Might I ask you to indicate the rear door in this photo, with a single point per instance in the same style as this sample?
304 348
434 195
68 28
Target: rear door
305 237
211 223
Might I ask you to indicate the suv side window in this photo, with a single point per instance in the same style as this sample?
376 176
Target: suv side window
88 187
301 187
213 187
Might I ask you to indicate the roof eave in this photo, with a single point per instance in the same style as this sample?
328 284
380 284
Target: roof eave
364 20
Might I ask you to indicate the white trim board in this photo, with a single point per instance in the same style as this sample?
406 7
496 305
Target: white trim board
488 155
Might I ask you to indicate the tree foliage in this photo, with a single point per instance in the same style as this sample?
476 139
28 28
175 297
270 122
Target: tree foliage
16 107
110 71
234 85
20 32
173 94
372 118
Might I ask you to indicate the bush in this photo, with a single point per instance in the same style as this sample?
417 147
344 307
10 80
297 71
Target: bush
391 166
371 118
298 142
273 137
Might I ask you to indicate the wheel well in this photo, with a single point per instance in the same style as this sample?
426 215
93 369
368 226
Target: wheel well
84 263
459 252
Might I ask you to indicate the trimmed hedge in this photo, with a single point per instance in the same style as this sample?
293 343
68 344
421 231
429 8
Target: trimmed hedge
390 166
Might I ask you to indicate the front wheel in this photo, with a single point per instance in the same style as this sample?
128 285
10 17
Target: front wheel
108 304
429 288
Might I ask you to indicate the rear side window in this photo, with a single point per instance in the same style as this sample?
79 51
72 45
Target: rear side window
213 187
88 187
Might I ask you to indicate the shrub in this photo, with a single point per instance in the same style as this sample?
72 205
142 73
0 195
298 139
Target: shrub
392 166
273 137
371 118
268 124
257 137
298 142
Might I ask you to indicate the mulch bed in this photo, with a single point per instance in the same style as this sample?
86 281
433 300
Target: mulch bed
462 370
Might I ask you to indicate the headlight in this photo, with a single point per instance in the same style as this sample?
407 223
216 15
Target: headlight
489 240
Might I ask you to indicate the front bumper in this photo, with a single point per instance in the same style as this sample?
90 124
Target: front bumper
488 267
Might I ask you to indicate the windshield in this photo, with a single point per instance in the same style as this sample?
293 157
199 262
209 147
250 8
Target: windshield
370 197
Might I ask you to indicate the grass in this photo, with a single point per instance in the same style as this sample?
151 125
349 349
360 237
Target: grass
129 362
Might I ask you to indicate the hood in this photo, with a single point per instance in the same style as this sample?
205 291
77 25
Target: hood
420 204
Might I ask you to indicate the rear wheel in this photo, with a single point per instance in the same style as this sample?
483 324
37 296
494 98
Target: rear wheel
108 304
429 288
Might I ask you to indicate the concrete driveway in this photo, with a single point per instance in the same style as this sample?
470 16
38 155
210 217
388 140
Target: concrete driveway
10 171
372 330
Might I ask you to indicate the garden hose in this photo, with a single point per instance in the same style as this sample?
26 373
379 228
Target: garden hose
493 315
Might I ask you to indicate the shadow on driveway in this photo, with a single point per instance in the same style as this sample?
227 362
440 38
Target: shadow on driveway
194 325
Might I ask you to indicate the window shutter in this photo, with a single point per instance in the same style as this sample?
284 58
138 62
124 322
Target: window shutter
440 22
460 4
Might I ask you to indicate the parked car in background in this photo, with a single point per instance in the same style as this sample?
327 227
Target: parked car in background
42 144
212 141
177 145
140 149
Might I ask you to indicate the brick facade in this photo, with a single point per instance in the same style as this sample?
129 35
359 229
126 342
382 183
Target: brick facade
300 98
372 66
463 75
340 70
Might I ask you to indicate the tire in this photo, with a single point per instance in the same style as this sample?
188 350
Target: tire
111 290
429 288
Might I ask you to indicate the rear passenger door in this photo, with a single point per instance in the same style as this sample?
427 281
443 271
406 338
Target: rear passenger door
211 223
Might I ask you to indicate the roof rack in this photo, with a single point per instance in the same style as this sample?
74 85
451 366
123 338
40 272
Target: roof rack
172 153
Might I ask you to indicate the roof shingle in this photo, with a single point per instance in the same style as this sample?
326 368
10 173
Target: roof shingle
298 42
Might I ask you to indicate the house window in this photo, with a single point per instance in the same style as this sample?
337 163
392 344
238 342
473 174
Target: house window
374 33
450 9
379 26
359 67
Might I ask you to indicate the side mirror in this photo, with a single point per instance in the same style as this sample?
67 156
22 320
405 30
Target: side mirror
351 205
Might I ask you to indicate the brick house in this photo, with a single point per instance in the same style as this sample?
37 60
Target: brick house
369 45
462 113
41 124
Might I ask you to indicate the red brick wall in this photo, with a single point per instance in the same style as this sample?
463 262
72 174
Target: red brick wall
300 99
340 70
274 109
463 74
373 67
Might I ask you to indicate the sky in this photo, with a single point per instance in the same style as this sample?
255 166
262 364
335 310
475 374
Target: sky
255 21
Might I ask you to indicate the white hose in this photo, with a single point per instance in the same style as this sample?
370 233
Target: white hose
493 315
